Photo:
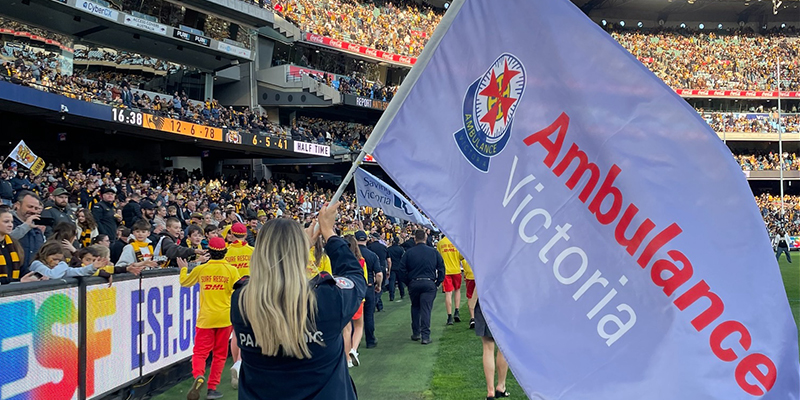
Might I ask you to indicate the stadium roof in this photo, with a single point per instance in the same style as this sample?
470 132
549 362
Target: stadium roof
709 11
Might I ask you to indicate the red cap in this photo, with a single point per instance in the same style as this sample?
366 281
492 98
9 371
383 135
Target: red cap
239 229
217 243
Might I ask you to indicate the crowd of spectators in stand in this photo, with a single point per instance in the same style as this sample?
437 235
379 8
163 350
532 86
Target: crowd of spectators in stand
349 135
6 23
116 90
767 160
360 86
777 220
123 58
99 205
735 60
174 15
752 122
400 27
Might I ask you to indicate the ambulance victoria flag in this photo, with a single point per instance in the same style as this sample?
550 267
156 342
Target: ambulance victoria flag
618 251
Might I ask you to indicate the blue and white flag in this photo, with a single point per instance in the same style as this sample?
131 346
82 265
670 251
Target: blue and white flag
618 250
373 192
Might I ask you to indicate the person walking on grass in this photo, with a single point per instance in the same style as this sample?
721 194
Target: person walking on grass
781 245
422 269
452 279
354 331
491 364
216 278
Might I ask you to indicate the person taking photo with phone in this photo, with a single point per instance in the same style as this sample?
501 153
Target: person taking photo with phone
27 231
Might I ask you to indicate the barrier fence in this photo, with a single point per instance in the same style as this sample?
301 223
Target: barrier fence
83 339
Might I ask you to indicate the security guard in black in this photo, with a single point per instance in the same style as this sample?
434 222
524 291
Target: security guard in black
324 376
422 269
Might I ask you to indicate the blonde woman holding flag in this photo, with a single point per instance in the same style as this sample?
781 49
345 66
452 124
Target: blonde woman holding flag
289 329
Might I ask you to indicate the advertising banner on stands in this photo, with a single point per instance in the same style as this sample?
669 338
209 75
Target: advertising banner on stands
235 50
144 24
169 316
111 336
355 48
39 355
97 9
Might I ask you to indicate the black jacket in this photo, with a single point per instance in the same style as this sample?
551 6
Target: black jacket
131 213
324 376
373 263
381 251
6 191
103 214
58 214
421 262
172 251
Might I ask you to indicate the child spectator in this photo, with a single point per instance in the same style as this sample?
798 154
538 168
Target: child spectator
49 262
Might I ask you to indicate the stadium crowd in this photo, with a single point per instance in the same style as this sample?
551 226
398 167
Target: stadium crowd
123 58
752 122
400 27
7 23
175 15
770 206
101 205
39 70
736 60
765 161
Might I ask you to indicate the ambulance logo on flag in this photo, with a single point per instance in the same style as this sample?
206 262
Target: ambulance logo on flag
488 111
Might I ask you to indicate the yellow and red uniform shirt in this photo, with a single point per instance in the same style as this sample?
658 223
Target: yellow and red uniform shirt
452 258
312 269
467 271
239 254
216 279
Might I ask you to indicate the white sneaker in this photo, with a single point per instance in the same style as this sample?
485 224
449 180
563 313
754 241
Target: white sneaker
349 363
235 375
354 357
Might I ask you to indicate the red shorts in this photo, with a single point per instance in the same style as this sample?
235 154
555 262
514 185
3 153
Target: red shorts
470 288
452 282
359 313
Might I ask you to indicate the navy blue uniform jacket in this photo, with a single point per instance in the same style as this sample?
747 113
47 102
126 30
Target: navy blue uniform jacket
324 376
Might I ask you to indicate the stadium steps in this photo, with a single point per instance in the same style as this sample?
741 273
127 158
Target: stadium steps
279 77
320 89
287 29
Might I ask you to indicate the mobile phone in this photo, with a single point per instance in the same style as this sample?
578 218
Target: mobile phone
38 275
45 221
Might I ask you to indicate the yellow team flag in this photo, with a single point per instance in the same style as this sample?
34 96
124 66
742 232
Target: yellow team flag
23 155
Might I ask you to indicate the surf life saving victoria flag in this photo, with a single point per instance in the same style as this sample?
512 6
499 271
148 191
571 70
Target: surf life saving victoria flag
617 248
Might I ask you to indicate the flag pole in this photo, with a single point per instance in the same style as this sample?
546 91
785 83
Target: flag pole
402 93
780 140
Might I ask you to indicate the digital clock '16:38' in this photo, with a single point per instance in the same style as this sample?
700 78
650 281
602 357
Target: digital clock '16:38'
124 116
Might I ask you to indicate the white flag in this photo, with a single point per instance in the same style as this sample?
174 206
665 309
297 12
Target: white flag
373 192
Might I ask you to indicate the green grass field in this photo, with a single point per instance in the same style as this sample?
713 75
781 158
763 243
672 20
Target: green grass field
448 369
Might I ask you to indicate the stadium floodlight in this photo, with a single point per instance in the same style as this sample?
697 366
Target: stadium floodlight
639 24
622 23
683 25
604 22
701 26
